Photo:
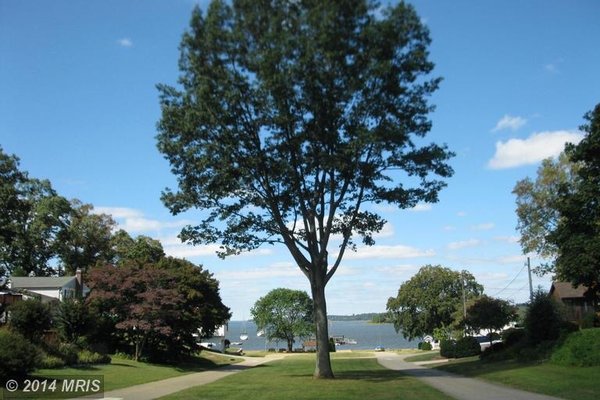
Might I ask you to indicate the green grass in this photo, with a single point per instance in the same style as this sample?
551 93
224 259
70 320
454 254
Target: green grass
426 356
291 378
577 383
122 372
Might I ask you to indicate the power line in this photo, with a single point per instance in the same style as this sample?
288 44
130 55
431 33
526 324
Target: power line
511 282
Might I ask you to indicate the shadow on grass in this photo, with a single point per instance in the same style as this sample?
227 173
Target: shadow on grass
476 368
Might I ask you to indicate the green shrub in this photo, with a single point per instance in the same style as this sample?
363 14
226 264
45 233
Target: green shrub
447 348
543 319
590 320
30 318
466 347
426 346
51 362
89 357
17 355
512 336
68 353
581 349
332 345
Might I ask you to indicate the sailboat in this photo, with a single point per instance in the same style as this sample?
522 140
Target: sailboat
244 334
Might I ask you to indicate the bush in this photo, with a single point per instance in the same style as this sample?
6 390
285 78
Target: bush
511 337
51 362
89 357
426 346
30 318
68 353
466 347
581 349
331 345
17 355
543 319
447 348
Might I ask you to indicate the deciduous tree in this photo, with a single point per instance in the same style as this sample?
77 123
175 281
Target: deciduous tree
289 119
429 299
577 234
490 314
284 314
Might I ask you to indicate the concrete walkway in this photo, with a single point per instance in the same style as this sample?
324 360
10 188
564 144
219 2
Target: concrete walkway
457 386
154 390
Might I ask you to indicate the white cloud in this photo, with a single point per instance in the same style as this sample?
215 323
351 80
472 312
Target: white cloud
421 207
509 122
508 239
132 220
483 227
397 251
125 42
463 244
537 147
461 214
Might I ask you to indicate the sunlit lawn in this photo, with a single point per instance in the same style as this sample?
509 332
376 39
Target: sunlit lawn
577 383
122 372
292 378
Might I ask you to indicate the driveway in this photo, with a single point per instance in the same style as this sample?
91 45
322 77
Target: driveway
459 387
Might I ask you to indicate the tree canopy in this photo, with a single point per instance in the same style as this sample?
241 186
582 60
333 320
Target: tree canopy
559 214
290 118
429 300
491 314
157 308
577 234
284 314
38 226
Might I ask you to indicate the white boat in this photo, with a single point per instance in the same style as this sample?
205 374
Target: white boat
244 336
342 340
260 333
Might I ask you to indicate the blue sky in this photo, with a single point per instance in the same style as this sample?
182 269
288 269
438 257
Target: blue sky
78 105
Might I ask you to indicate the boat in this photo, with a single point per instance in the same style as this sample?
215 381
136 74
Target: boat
244 336
260 333
342 340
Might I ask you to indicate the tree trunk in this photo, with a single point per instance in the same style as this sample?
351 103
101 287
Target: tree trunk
323 368
290 344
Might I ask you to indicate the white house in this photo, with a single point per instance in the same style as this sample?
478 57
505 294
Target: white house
50 288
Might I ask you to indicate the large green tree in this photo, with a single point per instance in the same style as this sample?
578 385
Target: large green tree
577 234
86 239
429 300
290 118
33 217
491 314
537 208
284 314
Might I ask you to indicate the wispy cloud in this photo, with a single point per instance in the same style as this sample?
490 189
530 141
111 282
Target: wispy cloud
461 214
421 207
397 251
509 122
538 146
463 244
508 239
134 221
483 227
125 42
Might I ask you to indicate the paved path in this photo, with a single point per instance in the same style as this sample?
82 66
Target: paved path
154 390
459 387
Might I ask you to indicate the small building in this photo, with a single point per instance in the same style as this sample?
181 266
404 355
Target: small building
576 300
50 288
7 297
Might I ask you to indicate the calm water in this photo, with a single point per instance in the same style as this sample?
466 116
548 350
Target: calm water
367 335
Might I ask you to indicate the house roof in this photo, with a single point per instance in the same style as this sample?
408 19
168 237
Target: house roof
39 282
565 290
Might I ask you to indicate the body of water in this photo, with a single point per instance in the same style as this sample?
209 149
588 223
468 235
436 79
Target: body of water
367 335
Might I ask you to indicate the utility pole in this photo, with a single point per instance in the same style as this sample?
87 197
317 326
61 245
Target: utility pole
530 285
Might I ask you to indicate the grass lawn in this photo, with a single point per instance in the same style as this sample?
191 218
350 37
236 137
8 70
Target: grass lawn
291 378
577 383
122 372
425 356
